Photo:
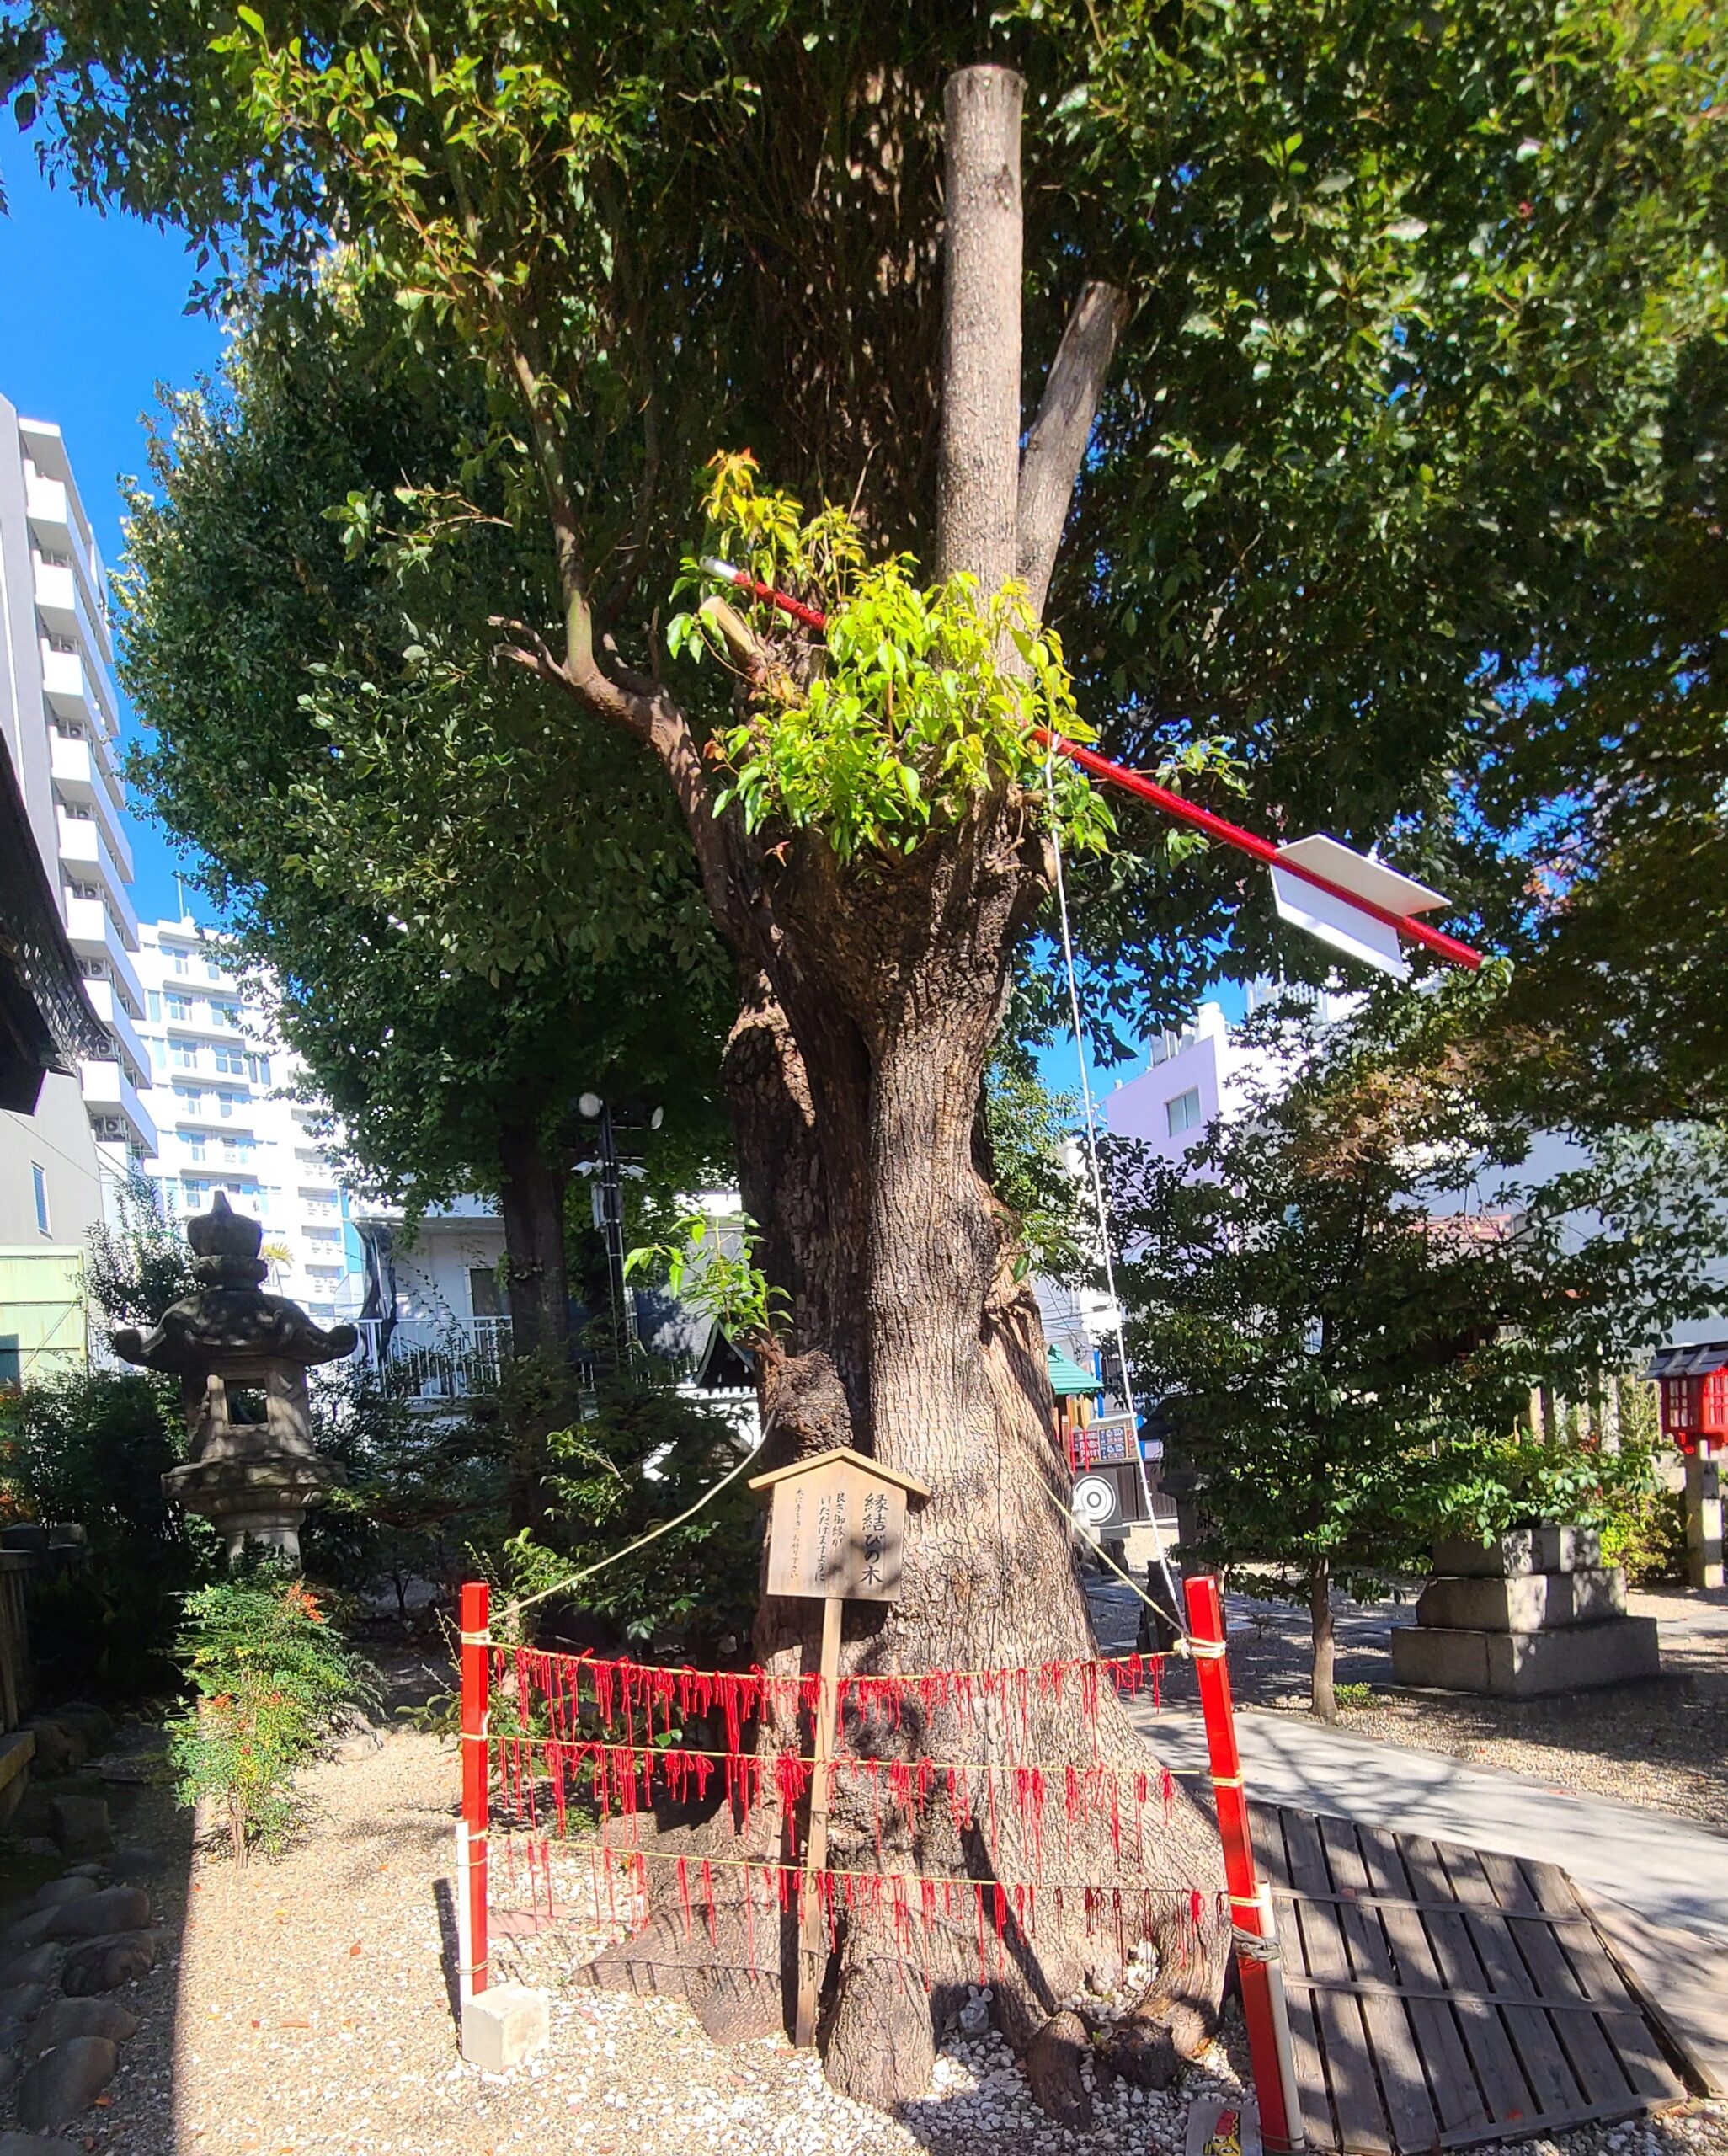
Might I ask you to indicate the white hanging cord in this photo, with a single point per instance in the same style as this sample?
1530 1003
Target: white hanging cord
1096 1177
520 1602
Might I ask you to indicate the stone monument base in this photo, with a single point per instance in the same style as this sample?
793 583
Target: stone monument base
1535 1612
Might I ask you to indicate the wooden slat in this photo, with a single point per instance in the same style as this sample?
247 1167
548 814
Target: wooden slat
1579 1967
1545 2066
1456 2097
1266 1826
1504 2087
1592 2057
1397 2048
1622 2020
1368 1987
1344 2034
1346 1899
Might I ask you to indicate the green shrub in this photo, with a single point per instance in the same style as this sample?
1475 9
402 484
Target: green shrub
1524 1482
420 1489
1647 1535
92 1448
270 1677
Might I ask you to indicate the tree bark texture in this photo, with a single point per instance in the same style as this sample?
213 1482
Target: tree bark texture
871 992
532 1199
977 460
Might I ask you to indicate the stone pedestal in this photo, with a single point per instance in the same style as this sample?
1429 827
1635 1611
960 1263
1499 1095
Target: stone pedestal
1703 1517
1533 1612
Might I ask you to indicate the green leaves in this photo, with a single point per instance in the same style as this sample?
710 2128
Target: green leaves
919 704
710 1266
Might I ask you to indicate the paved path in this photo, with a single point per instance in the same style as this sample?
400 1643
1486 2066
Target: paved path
1669 1870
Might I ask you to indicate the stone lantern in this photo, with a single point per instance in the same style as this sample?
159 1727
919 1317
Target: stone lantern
241 1359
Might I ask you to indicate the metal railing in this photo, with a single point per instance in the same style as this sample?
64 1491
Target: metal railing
457 1358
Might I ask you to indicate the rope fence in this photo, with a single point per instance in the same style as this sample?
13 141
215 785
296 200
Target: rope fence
564 1756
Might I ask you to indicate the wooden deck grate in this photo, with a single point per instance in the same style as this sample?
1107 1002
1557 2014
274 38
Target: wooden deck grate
1441 1996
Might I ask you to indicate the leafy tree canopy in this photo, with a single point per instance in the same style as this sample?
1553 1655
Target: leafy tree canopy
464 919
1425 311
1348 1293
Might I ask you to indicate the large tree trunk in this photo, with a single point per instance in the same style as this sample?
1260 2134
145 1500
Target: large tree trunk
1323 1698
532 1199
853 1073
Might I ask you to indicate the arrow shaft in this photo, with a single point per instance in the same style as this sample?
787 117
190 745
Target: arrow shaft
1160 797
1203 819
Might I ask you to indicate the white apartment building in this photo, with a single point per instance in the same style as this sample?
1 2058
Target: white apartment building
1202 1074
60 723
223 1086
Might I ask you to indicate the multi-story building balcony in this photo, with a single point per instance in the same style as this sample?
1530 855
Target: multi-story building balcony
64 603
56 594
57 516
457 1359
84 778
115 1014
79 884
74 691
115 1111
48 506
94 933
84 852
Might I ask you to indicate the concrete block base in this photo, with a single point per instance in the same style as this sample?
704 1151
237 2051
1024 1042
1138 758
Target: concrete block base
503 2026
1534 1602
1521 1551
1526 1665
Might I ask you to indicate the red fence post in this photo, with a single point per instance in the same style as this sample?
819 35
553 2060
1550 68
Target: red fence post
1250 1911
475 1642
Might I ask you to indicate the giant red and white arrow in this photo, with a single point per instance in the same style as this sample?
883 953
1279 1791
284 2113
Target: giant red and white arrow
1355 905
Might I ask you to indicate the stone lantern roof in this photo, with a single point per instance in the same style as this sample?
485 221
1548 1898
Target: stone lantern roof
230 1314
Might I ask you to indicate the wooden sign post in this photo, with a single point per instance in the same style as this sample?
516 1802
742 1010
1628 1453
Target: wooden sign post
835 1534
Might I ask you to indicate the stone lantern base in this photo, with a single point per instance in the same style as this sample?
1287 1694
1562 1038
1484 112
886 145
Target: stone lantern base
262 1501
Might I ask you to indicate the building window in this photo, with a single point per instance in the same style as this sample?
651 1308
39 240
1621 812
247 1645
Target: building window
231 1061
257 1069
1183 1112
179 1007
181 961
194 1146
38 1183
224 1014
184 1054
152 998
159 1054
486 1295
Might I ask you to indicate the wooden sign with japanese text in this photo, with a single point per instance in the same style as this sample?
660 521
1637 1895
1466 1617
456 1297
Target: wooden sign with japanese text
837 1529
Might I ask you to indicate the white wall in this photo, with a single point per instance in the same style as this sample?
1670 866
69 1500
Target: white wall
432 1269
58 1138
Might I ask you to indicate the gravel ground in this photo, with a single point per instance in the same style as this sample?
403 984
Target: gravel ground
302 2008
1662 1742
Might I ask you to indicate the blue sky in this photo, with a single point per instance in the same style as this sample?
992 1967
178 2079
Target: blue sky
92 318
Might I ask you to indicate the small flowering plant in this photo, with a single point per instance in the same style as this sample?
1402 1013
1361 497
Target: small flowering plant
270 1677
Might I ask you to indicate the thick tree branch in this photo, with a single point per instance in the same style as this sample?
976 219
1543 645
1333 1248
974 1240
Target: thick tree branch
1056 446
978 461
643 709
